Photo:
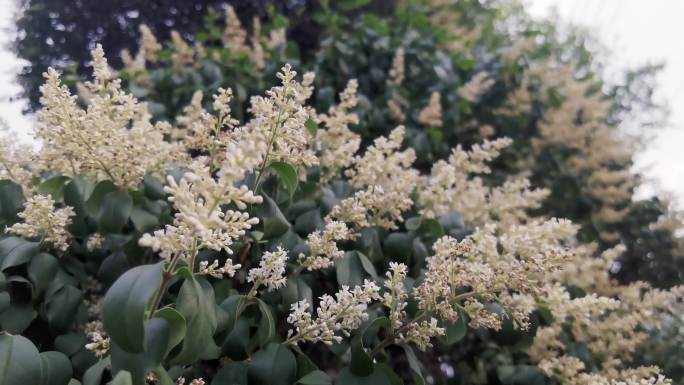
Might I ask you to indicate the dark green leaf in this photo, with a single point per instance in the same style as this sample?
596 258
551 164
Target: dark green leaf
267 324
20 361
115 210
16 251
125 303
287 175
196 303
54 187
273 365
233 373
312 127
55 368
317 377
361 362
415 366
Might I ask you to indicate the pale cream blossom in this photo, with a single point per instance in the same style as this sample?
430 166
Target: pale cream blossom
271 270
431 114
42 220
234 36
228 268
104 137
396 73
337 143
476 86
323 250
339 315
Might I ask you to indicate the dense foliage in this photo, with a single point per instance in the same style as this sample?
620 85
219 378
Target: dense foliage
392 216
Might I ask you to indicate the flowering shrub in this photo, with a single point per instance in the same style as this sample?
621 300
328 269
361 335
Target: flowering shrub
257 239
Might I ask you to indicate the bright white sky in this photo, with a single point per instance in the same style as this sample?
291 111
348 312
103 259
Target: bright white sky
637 32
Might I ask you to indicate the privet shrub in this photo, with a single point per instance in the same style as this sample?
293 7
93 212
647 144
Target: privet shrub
250 238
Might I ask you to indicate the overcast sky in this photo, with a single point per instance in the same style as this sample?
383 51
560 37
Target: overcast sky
639 32
636 31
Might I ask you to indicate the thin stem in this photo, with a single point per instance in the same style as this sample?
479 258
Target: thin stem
389 340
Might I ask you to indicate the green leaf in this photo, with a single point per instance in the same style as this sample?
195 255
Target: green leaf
177 326
317 377
233 373
267 324
287 175
125 303
196 303
296 290
54 187
16 251
454 331
61 305
361 362
415 366
311 126
398 246
520 375
376 377
41 270
11 202
96 197
143 220
93 376
114 212
157 335
55 368
353 268
273 365
20 361
122 378
272 219
153 188
76 193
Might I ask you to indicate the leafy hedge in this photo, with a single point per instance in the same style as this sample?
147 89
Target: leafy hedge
146 286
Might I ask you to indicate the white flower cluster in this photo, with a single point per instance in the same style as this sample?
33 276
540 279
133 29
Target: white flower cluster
322 245
337 143
372 207
271 270
341 314
228 269
17 162
451 187
104 137
431 115
279 120
476 86
201 221
42 220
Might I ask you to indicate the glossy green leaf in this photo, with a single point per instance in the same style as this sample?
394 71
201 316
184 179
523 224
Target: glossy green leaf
267 324
361 362
157 336
122 378
177 326
317 377
311 126
96 198
115 210
16 251
41 270
55 368
376 377
125 303
54 187
415 365
232 373
454 331
11 202
273 365
287 175
20 361
196 304
93 376
61 305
